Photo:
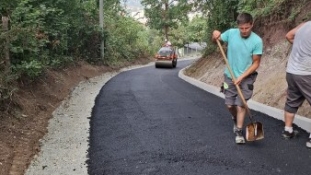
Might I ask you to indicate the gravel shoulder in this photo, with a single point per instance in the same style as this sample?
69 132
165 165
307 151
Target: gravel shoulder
64 147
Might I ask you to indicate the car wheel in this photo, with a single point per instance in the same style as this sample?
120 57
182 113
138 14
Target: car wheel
156 65
174 63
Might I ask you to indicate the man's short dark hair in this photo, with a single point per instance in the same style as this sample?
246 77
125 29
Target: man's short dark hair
244 18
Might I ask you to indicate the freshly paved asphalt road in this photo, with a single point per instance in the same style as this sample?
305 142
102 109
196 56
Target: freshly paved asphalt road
149 121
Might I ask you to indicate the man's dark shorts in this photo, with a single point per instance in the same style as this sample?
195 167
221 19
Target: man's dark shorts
299 89
231 93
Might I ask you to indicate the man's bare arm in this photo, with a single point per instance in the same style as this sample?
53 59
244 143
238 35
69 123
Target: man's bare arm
250 70
291 34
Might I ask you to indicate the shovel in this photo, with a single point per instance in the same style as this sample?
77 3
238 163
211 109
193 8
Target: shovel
254 130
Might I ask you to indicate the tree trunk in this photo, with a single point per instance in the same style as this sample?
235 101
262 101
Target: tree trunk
5 28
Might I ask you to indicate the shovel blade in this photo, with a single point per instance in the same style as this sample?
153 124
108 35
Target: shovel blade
254 131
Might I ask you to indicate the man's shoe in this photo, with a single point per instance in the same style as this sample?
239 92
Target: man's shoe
239 138
308 144
288 135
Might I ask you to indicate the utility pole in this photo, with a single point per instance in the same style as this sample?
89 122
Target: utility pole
101 23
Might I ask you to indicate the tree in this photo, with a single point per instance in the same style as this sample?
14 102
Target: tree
5 28
6 7
219 14
164 15
196 28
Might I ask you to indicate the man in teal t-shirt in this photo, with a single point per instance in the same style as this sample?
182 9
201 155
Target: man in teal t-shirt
244 52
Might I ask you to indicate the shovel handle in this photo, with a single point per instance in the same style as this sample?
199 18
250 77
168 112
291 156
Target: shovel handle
237 86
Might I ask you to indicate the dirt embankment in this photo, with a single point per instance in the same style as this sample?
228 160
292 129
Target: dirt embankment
270 87
20 135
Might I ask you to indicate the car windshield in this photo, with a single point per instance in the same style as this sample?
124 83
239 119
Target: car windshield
165 51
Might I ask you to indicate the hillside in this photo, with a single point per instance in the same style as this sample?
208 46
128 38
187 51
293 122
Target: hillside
270 86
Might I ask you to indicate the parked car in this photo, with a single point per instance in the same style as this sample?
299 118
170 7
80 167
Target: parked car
166 56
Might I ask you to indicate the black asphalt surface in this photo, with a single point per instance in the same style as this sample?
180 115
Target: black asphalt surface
149 121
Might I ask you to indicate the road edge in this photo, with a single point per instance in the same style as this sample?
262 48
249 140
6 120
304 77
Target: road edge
64 148
301 121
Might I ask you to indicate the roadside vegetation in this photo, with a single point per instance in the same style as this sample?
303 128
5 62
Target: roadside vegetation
38 35
170 20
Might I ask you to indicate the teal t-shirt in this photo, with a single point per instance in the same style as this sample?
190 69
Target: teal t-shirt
240 50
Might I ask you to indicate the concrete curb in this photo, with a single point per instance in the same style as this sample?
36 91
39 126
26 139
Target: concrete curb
301 121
